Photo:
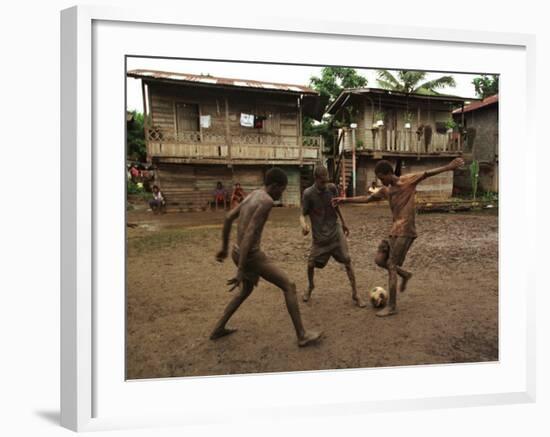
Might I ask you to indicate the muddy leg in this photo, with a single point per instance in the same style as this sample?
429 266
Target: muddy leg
310 277
392 304
382 261
220 330
351 276
276 276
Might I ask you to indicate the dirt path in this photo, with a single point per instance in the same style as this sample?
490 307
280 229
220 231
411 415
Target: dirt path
176 293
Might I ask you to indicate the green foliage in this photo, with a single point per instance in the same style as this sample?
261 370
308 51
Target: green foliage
408 117
489 196
450 124
359 144
134 188
413 82
332 81
474 177
486 85
135 138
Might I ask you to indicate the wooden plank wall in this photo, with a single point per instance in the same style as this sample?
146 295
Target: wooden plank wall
428 116
279 110
190 186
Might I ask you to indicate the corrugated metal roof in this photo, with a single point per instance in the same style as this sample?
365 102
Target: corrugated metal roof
220 81
491 100
341 99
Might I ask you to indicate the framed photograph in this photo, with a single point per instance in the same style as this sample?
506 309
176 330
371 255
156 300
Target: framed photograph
273 219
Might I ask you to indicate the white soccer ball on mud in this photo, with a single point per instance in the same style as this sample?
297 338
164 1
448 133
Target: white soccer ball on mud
378 297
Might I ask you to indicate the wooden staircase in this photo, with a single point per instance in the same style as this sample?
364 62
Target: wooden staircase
344 167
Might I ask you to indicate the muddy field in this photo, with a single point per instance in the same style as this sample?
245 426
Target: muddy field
176 292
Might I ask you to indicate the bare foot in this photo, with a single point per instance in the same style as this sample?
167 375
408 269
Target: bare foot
309 338
388 311
359 302
218 333
307 294
404 282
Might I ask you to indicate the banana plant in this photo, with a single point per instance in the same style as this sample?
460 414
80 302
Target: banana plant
474 177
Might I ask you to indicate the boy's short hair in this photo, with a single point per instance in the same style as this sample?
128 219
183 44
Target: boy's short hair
320 171
383 167
275 176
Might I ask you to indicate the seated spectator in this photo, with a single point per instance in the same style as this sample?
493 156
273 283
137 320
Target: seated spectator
157 203
220 195
237 196
134 173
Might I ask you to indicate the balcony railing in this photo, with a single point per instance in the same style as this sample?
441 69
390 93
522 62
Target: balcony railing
404 141
254 146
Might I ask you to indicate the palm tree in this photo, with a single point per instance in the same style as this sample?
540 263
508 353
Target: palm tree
411 82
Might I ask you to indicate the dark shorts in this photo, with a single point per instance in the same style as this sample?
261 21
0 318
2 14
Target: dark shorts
396 248
338 249
256 263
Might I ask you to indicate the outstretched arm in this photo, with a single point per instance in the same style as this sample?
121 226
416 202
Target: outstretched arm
227 224
379 195
454 164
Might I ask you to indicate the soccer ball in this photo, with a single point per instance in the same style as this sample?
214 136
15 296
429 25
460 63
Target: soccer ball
378 297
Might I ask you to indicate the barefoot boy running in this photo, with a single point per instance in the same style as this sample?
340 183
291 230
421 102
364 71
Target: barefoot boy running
329 237
252 263
400 191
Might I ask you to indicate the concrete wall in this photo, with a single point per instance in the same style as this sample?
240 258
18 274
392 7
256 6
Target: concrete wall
482 127
488 179
482 145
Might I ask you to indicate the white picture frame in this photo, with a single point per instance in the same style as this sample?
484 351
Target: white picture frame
91 387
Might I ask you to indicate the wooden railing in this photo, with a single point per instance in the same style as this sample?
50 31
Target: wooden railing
254 146
406 140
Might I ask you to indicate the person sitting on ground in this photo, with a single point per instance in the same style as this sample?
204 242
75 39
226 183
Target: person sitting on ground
134 173
220 195
237 196
157 202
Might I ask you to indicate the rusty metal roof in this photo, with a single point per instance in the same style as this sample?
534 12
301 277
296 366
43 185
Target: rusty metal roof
220 81
343 97
491 100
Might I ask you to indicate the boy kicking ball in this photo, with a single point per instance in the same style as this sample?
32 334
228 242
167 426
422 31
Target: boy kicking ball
400 191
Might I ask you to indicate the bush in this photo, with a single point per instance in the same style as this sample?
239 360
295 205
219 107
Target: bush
134 188
489 196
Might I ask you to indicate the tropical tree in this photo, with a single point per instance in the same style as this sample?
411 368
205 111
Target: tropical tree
413 82
135 138
334 79
331 82
486 85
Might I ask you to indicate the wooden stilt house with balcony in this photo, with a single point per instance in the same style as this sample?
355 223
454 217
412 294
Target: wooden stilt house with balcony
201 129
416 129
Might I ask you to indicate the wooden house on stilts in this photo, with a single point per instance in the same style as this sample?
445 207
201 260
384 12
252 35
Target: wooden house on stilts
201 129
